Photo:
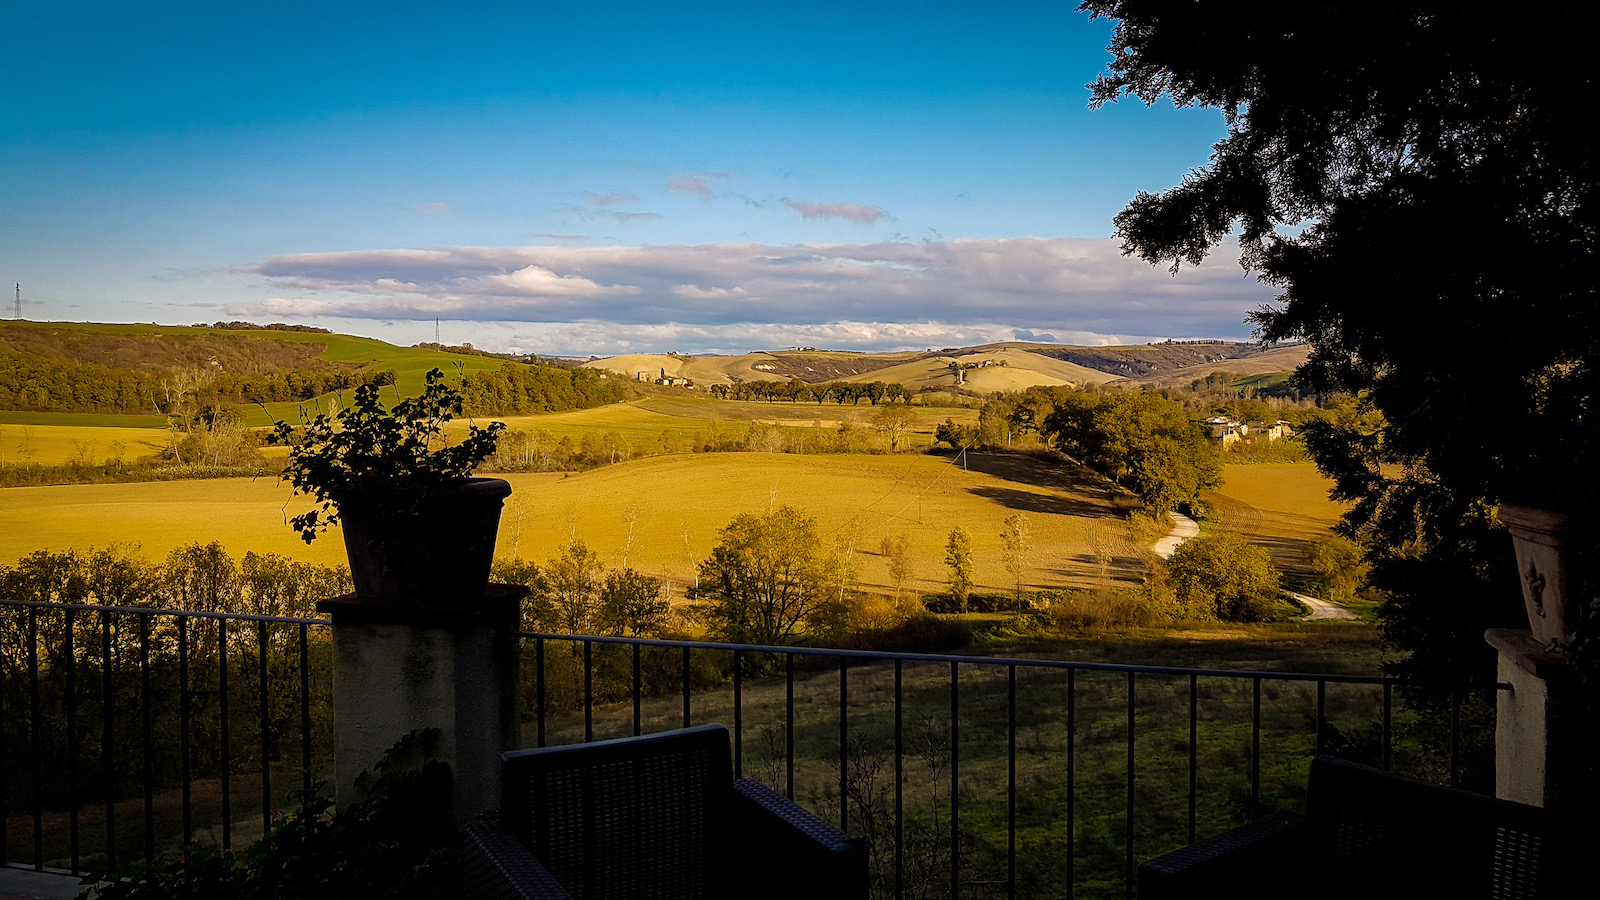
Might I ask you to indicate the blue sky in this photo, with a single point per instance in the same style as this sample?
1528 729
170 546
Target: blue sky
593 178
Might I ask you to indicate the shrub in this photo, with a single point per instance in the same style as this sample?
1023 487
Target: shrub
1223 575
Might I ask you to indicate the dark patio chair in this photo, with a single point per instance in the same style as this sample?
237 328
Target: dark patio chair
1368 834
658 816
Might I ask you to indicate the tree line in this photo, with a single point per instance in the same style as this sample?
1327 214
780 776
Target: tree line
521 388
37 383
794 390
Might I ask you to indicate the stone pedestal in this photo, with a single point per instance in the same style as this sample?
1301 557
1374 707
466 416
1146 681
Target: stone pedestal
447 664
1536 754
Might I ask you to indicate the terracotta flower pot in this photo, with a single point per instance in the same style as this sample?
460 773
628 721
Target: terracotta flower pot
1548 583
443 552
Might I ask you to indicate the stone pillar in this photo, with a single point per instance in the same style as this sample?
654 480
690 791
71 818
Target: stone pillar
404 666
1536 746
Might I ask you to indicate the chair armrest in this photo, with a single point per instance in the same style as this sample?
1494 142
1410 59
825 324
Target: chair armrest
790 852
1244 862
495 866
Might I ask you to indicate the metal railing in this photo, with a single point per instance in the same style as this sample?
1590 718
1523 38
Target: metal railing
1058 777
131 732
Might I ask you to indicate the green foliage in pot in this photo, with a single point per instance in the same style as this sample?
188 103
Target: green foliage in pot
388 463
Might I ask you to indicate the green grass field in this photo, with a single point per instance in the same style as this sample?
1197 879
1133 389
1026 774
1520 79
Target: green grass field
676 505
642 423
408 363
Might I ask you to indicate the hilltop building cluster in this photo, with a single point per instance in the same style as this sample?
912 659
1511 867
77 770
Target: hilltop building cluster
665 379
1229 430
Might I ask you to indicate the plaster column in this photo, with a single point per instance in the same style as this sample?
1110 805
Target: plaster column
1536 743
447 664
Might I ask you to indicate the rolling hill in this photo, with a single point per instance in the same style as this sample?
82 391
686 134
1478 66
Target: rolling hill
990 368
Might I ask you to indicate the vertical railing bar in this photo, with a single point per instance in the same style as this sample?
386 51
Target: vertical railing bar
899 782
1255 748
1194 748
1455 737
107 754
1127 835
226 734
1072 779
955 780
35 740
148 739
70 651
1011 781
844 744
686 721
305 712
265 732
5 768
588 691
788 726
183 729
638 686
738 714
1322 712
1388 721
538 687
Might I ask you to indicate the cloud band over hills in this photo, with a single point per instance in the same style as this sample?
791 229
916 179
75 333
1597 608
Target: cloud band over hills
906 292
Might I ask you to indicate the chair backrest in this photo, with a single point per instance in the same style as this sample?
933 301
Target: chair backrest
636 817
1380 829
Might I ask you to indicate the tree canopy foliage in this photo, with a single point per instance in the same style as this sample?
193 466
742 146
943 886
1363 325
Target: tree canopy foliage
1418 178
522 388
1223 575
1144 442
767 578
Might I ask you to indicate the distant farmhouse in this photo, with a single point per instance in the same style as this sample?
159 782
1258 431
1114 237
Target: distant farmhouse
1229 430
665 379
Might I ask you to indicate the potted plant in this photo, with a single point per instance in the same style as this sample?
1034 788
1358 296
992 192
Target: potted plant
416 525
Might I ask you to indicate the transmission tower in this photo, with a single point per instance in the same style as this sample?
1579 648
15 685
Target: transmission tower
17 314
436 330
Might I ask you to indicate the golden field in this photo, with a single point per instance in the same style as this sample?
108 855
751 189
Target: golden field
674 504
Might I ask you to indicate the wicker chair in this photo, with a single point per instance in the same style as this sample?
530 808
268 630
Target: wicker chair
1368 834
657 816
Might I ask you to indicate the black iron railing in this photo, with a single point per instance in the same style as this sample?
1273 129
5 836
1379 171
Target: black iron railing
981 776
130 732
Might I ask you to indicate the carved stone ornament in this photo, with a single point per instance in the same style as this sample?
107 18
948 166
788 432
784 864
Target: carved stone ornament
1539 537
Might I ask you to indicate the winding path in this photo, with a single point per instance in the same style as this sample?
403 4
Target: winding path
1322 609
1183 528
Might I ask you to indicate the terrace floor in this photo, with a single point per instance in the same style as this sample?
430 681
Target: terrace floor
21 884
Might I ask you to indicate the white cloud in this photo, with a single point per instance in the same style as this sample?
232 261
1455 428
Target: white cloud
696 184
854 212
898 293
538 281
690 184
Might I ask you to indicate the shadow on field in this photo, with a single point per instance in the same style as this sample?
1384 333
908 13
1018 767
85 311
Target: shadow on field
1027 501
1058 474
1084 568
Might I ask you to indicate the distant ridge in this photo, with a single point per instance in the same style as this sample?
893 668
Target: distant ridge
1003 366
